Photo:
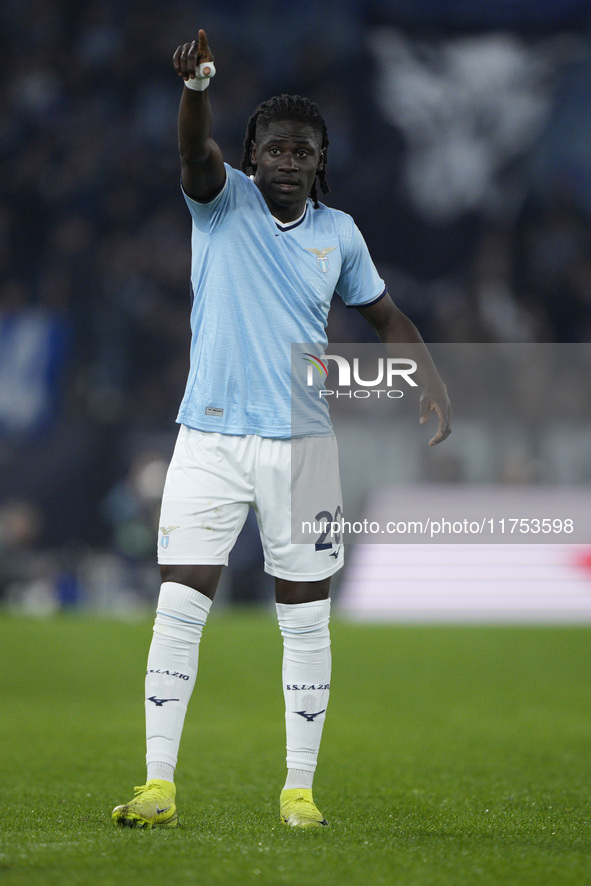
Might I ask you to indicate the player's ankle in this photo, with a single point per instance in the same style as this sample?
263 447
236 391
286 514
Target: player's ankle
160 771
298 778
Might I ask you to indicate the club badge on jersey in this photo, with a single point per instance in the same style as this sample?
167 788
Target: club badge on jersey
322 257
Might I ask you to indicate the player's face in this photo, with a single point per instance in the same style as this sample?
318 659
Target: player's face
287 156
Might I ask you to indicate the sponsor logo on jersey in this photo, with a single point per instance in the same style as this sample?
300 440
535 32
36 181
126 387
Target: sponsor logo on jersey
322 257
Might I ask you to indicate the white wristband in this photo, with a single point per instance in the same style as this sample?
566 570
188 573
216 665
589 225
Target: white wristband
201 79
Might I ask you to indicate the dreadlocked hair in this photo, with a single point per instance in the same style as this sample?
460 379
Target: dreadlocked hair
288 107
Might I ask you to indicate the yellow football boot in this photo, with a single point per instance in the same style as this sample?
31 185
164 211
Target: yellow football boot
152 807
299 810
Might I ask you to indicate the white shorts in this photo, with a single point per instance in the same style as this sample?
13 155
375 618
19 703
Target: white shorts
214 478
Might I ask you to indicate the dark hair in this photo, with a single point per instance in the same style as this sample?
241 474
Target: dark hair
288 107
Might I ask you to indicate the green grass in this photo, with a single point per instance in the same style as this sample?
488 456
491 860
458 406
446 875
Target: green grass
451 755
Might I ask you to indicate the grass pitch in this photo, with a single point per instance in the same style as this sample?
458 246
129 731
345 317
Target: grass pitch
451 755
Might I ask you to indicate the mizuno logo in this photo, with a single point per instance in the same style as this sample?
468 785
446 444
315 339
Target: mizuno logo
309 717
159 702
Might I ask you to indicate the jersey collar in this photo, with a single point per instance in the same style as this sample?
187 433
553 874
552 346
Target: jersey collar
293 224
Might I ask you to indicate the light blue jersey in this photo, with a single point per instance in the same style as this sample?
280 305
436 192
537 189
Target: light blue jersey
257 288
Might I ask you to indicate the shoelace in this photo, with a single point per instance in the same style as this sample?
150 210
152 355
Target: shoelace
157 794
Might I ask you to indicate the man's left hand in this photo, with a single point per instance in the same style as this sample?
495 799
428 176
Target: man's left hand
438 403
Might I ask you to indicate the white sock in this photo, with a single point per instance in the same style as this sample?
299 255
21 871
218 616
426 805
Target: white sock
306 684
298 778
171 672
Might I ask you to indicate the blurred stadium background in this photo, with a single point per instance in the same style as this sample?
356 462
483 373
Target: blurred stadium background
459 140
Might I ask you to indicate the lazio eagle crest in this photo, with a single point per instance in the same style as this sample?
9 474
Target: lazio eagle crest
166 530
322 257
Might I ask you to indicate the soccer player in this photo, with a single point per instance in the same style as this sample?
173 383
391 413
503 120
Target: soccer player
266 260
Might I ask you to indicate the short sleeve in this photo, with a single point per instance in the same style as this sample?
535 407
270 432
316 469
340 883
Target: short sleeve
359 283
207 216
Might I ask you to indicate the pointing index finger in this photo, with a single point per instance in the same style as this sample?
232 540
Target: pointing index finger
204 54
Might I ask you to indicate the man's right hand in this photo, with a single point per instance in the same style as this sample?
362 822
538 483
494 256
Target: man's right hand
189 56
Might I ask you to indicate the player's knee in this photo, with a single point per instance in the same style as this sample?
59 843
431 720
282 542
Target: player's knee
301 591
202 578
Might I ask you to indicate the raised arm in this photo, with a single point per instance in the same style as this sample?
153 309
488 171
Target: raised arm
202 165
394 328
